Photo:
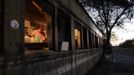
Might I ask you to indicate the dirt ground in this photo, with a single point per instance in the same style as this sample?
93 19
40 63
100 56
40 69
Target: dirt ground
121 64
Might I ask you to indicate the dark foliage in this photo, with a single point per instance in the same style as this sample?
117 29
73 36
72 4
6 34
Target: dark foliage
127 44
108 14
95 3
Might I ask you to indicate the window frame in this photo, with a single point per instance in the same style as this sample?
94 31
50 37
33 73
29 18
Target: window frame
90 38
78 26
85 38
50 43
61 14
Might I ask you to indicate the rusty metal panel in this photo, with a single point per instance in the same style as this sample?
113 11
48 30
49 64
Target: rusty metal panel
1 25
1 66
13 27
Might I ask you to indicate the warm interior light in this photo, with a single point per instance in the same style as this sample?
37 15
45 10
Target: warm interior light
77 38
36 22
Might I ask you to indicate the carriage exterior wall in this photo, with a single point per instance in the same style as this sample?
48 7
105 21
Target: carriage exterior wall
13 60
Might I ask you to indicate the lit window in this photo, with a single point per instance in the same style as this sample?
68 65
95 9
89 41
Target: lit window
77 38
36 25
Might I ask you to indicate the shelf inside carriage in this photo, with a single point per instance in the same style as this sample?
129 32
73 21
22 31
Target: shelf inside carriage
36 27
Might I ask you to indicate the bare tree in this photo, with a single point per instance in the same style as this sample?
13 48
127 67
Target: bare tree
108 14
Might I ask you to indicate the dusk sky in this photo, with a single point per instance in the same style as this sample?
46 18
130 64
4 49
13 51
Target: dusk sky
127 33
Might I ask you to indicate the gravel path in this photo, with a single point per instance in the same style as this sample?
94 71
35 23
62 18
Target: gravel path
123 64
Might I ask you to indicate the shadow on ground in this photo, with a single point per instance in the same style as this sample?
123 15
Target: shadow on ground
120 66
109 68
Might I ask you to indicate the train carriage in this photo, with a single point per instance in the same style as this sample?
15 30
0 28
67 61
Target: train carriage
47 37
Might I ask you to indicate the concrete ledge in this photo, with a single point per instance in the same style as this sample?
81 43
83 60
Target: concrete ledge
75 64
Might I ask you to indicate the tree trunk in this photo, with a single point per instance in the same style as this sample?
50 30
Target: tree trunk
107 46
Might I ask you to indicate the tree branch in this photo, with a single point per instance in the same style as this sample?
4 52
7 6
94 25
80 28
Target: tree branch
101 17
118 17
